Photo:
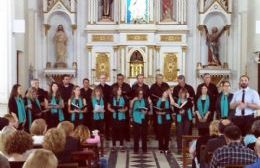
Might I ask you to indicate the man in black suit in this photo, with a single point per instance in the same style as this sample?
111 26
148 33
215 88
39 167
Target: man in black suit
140 84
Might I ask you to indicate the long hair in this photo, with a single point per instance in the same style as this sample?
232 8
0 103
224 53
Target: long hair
73 91
97 88
14 91
200 91
58 94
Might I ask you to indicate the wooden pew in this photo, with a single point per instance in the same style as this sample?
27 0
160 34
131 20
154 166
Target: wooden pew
84 158
68 165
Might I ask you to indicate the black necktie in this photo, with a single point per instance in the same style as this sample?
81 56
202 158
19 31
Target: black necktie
243 101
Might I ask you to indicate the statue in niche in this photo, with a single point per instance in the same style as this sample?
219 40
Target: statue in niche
60 39
137 11
212 41
167 10
106 9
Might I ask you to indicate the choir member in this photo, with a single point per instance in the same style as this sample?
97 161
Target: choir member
41 93
212 89
183 84
126 92
203 110
86 93
118 107
106 90
140 84
222 104
66 91
183 110
163 119
98 106
76 107
16 104
139 107
32 106
55 104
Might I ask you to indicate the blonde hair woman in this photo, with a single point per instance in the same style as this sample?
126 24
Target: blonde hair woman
82 133
37 130
4 134
213 128
41 158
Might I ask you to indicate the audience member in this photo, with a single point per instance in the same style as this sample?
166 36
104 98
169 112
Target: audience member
256 164
12 120
82 133
37 130
3 122
5 133
255 129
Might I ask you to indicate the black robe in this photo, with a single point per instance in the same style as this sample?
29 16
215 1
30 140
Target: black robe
126 90
189 88
156 91
218 105
146 90
212 92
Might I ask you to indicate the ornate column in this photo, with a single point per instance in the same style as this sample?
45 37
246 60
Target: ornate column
184 51
115 58
157 59
90 66
151 14
123 10
89 3
150 60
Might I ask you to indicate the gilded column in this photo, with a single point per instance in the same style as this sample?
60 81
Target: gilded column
184 51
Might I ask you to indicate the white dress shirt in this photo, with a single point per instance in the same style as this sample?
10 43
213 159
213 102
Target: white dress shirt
251 96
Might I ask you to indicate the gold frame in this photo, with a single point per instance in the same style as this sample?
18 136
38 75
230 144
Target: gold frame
170 66
102 64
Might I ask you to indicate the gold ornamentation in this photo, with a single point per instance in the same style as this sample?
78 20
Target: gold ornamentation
184 49
171 38
136 37
47 28
170 67
104 38
102 65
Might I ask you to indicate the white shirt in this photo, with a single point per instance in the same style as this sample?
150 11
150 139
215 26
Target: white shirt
37 139
251 96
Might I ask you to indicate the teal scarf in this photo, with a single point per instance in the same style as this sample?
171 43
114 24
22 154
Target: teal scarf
138 116
55 110
224 105
98 115
119 115
73 115
167 115
203 110
21 109
29 102
179 117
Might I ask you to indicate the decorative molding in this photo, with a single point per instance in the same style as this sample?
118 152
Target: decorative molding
46 28
184 49
171 38
103 38
136 37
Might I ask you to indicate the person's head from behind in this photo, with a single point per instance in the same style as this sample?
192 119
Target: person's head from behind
12 120
255 129
54 140
67 127
4 134
223 124
66 79
41 158
213 128
232 134
38 127
18 142
257 146
82 133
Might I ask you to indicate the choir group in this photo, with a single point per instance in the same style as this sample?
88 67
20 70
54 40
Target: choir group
114 109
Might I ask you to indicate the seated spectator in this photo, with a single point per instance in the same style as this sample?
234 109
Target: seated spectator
54 140
4 162
234 152
12 120
72 144
249 141
256 164
37 130
41 158
82 133
17 144
3 122
255 129
4 134
217 142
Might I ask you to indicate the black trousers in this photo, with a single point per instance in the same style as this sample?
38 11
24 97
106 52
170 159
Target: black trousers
163 131
108 124
140 132
118 129
182 128
99 125
244 123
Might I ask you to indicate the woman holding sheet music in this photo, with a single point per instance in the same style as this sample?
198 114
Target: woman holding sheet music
55 104
163 119
98 106
183 110
76 106
118 107
139 106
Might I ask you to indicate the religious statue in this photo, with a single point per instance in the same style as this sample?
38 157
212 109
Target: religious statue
138 11
106 8
167 6
212 41
60 39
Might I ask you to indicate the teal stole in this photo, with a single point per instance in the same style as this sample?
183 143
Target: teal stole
98 115
138 116
203 109
167 115
20 109
55 110
119 115
29 102
73 115
224 106
179 117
